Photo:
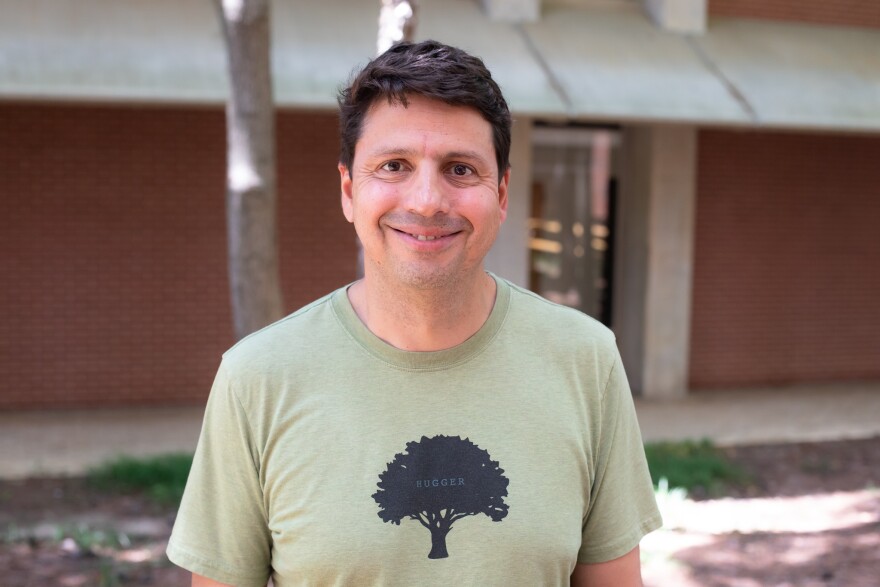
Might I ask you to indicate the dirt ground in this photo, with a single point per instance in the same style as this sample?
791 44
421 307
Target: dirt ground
63 532
809 517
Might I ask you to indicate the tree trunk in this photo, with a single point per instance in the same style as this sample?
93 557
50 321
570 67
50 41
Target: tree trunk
252 231
397 23
438 543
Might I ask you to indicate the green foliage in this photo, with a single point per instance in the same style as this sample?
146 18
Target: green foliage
109 575
88 539
697 467
162 478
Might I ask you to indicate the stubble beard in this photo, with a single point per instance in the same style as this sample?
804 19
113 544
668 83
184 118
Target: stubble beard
425 273
423 276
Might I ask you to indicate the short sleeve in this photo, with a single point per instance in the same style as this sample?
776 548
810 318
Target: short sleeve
622 508
221 530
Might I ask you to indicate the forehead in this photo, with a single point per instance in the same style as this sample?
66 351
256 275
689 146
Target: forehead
427 122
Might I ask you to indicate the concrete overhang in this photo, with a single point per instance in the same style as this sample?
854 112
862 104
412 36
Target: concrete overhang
602 61
804 76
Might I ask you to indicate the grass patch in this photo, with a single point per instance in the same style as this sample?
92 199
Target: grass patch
162 478
698 467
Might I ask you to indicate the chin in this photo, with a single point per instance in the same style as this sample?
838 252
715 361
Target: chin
427 278
428 281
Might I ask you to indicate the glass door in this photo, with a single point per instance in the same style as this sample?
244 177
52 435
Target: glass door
570 225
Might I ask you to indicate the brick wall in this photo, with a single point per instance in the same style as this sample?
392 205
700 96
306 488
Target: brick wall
863 13
786 279
112 248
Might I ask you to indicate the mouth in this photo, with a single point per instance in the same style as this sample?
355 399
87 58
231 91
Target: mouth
425 234
425 237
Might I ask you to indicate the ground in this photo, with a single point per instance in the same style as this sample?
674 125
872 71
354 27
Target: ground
810 516
64 532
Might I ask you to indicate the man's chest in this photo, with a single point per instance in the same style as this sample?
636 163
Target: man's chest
433 488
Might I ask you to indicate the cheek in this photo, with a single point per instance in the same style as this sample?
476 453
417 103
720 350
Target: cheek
490 224
369 207
377 197
486 211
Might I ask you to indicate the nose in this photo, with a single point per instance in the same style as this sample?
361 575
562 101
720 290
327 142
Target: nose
427 195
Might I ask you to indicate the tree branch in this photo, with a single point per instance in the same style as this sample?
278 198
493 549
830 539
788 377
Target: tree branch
424 523
460 516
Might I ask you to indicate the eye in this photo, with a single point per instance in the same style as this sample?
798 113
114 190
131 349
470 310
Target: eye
392 166
461 170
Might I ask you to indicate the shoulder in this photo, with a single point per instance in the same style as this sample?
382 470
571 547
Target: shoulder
563 337
284 340
557 324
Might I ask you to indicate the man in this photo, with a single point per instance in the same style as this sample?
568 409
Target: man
430 424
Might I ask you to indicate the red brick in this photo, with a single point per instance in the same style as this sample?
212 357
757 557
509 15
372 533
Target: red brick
113 263
859 13
786 286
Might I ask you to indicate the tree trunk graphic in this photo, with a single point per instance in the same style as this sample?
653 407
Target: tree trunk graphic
438 543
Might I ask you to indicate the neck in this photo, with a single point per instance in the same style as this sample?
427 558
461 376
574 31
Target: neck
414 319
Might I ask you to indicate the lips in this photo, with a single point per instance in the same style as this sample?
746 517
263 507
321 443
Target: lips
424 229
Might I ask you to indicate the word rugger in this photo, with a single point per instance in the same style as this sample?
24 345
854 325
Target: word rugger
427 483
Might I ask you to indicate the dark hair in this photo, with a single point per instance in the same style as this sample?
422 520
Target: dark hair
428 69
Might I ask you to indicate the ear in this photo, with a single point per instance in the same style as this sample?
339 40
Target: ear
502 193
345 186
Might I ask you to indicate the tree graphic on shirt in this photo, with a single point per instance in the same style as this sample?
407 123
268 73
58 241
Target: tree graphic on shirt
438 481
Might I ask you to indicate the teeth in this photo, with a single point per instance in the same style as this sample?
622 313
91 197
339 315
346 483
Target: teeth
422 237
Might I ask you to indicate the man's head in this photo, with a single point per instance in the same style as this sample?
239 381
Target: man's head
432 70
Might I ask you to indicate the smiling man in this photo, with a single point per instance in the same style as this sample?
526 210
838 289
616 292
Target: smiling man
430 424
427 198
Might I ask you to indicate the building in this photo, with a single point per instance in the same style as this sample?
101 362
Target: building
702 175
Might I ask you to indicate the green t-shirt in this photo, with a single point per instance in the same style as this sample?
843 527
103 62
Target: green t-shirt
328 457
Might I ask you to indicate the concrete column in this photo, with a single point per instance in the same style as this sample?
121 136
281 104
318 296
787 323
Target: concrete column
678 16
652 298
509 256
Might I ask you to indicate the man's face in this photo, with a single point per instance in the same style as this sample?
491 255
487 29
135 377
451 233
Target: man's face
423 192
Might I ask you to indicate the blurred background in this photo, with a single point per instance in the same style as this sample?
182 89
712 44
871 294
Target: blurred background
703 176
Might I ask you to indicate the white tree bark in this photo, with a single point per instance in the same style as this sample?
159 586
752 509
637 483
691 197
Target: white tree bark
252 232
397 23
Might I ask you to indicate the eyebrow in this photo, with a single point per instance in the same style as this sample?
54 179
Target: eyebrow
473 155
405 152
